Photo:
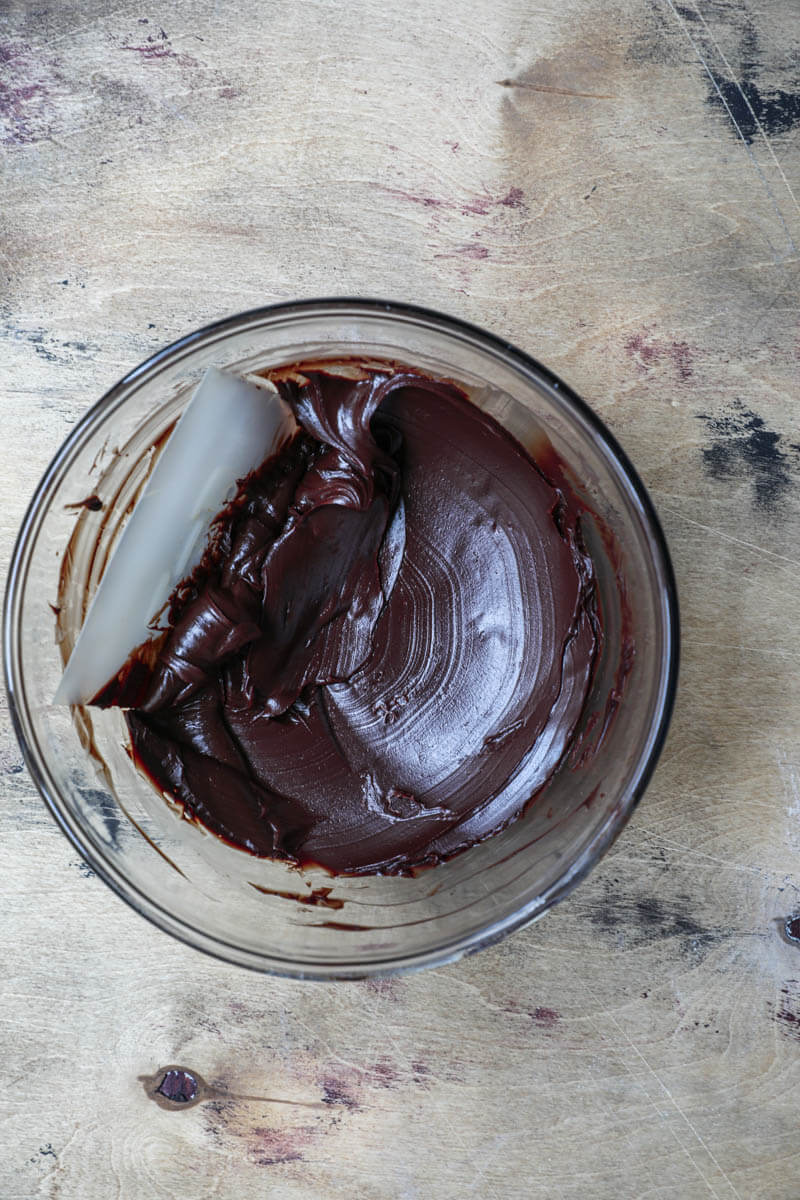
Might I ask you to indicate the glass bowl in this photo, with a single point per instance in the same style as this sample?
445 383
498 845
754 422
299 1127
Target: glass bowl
268 915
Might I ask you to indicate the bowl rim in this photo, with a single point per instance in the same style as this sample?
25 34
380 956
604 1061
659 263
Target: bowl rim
452 949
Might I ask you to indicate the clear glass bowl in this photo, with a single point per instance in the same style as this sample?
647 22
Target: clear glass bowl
185 880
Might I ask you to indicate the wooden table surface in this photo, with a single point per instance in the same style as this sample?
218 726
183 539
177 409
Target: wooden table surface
613 185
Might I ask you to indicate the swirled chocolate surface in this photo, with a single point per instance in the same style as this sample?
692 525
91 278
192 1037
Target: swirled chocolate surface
388 647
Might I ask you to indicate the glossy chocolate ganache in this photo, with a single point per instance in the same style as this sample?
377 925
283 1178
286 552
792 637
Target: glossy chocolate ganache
387 649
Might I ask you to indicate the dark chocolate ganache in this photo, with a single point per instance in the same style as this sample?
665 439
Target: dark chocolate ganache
388 647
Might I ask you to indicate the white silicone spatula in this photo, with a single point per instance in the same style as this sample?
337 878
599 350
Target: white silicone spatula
227 430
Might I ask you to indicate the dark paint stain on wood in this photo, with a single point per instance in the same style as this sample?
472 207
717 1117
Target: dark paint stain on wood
45 1151
336 1091
36 339
742 443
787 1009
43 343
636 921
753 110
755 86
752 105
675 922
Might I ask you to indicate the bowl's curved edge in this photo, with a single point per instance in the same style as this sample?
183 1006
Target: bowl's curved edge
470 944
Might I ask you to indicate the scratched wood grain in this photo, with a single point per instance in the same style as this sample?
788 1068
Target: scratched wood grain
613 186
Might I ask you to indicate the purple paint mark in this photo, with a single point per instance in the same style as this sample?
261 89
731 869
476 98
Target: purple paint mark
681 355
648 352
274 1146
381 987
788 1011
345 1087
472 250
384 1074
29 94
478 206
740 444
421 1073
337 1092
228 93
546 1017
514 198
19 105
415 197
19 95
158 50
638 347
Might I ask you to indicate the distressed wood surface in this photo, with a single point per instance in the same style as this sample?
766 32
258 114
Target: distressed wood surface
613 185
